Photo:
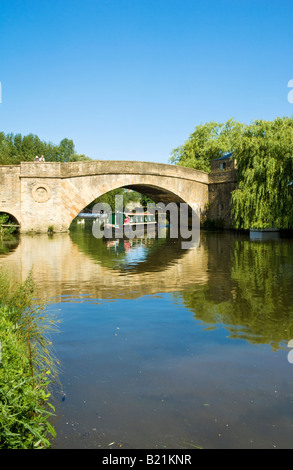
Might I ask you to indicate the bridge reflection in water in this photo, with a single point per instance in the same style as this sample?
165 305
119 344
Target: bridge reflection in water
224 278
80 265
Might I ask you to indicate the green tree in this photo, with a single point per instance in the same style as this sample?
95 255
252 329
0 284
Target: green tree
207 142
145 200
8 153
264 156
107 198
66 150
128 196
17 148
76 157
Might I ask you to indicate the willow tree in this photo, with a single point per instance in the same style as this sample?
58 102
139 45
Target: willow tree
208 141
264 155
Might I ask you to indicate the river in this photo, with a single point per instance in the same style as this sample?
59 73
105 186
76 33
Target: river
163 347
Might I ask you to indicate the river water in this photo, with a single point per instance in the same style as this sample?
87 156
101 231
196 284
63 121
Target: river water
163 347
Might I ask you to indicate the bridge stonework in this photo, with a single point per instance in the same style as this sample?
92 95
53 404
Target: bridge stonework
51 194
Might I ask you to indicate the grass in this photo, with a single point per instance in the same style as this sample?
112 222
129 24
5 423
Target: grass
27 368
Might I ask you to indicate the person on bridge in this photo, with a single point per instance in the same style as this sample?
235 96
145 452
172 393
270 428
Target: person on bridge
36 158
42 159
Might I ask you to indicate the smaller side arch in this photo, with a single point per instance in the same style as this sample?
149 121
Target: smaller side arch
12 216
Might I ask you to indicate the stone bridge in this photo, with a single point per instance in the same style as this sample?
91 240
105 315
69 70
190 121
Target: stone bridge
51 194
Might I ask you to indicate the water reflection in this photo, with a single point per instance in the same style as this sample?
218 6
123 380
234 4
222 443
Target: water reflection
164 347
9 245
224 279
77 265
249 289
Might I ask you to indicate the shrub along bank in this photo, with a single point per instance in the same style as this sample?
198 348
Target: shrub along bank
27 368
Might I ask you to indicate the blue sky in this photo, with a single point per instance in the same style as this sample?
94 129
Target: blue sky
131 79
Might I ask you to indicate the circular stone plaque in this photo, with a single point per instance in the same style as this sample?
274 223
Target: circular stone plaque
41 192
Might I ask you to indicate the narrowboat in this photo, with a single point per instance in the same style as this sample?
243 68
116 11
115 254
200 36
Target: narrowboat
124 222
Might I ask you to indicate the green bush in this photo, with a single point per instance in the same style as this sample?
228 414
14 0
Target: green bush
27 368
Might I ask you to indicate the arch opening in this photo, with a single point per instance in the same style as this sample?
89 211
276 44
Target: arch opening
9 231
156 193
152 193
8 220
160 199
160 187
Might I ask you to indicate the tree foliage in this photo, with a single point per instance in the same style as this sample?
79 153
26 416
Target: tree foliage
109 198
15 148
207 142
264 157
264 154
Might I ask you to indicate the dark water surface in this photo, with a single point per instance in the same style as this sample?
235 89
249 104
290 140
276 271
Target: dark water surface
167 348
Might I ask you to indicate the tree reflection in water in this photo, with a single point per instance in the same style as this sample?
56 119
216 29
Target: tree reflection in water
249 289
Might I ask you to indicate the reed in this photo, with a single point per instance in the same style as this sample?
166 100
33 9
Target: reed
28 367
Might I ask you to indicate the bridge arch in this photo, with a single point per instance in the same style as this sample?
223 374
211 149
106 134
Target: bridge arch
85 189
157 194
12 216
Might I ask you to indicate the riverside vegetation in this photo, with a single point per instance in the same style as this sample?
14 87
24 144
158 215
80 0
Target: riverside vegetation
28 367
263 151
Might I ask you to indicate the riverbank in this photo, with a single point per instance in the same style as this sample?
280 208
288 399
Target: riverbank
27 368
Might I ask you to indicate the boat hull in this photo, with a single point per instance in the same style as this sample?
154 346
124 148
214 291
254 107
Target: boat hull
129 230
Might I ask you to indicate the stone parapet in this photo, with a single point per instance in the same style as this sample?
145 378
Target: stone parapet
40 170
100 167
